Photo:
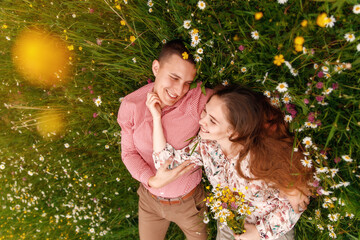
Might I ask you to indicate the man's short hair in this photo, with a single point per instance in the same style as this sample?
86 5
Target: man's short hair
176 47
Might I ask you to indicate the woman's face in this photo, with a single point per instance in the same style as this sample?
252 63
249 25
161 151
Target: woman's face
213 123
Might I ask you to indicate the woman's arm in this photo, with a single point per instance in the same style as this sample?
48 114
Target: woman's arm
163 151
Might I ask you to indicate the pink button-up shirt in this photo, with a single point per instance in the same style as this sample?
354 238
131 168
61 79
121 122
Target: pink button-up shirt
180 122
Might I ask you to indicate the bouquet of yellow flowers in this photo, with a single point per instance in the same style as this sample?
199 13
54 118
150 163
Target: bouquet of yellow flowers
229 207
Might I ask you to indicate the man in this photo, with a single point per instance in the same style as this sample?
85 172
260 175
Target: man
166 195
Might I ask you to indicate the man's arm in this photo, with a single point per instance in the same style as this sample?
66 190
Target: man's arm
135 164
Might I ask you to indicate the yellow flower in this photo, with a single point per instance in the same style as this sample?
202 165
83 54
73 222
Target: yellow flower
195 31
298 47
236 38
4 26
71 47
279 59
132 39
322 19
304 23
299 40
185 55
80 48
118 7
258 15
122 22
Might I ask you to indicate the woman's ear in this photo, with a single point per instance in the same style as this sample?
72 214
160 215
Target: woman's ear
155 67
231 132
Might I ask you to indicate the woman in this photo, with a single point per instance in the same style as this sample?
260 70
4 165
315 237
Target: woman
243 143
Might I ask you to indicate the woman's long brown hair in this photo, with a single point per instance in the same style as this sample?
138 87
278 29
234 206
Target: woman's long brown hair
260 128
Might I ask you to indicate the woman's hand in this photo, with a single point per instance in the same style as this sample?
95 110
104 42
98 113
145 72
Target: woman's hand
297 199
153 104
250 234
164 176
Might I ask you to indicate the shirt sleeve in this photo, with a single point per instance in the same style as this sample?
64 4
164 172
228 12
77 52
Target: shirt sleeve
191 152
136 165
278 222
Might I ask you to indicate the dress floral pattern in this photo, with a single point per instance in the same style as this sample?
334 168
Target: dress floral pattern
273 216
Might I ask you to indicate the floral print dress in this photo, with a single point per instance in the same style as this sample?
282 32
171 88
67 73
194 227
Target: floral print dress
273 216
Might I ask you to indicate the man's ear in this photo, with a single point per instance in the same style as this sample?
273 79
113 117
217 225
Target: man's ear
155 67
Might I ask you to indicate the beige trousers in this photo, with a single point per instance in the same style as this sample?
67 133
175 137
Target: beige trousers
155 217
226 233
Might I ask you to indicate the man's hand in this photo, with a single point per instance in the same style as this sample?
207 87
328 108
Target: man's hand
297 199
251 233
164 176
153 103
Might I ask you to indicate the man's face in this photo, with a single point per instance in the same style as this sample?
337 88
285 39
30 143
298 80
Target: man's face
173 77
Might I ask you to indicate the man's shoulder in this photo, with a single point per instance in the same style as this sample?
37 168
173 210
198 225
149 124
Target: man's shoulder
139 95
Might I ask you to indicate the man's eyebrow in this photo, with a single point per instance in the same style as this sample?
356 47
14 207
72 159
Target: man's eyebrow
175 75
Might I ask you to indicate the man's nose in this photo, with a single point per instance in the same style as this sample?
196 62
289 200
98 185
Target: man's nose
179 89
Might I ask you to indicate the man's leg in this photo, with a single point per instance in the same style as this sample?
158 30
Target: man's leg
189 215
290 235
152 224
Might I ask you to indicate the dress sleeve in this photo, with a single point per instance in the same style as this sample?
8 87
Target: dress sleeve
279 221
191 152
137 166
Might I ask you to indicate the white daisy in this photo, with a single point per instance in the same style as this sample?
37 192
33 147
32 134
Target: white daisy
307 142
2 166
316 66
332 234
306 162
255 35
282 1
107 146
288 118
267 93
150 3
282 87
88 184
349 37
197 58
294 72
330 228
356 9
325 68
201 5
134 59
200 51
330 21
98 101
321 228
346 158
275 101
328 91
66 145
358 47
243 69
287 98
322 170
333 171
225 83
187 24
195 39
